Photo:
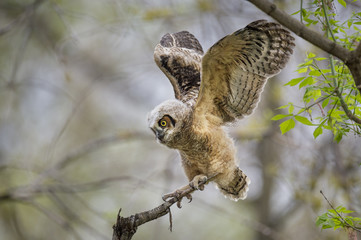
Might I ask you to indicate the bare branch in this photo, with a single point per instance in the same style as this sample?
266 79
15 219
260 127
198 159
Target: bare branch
125 228
353 62
357 52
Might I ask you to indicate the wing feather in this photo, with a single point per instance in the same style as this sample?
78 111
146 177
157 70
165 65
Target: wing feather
179 55
235 70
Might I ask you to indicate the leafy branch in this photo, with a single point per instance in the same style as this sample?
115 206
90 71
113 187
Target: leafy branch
352 58
333 219
334 89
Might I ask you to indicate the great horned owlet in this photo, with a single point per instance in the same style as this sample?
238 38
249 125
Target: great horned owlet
214 89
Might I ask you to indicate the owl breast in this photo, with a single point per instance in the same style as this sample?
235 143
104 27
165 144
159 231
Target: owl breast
204 150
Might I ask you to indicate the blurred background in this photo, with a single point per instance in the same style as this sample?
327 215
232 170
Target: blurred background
77 79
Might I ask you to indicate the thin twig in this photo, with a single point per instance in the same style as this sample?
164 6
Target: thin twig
343 220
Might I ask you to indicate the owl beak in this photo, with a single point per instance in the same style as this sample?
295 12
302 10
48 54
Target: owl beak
159 134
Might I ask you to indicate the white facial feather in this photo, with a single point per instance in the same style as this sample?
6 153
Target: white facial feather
177 110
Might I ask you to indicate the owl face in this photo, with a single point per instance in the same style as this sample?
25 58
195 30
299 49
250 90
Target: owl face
166 121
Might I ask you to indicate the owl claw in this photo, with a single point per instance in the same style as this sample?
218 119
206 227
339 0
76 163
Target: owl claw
198 182
178 196
175 194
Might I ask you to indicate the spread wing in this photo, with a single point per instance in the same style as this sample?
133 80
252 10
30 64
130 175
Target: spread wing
235 69
179 56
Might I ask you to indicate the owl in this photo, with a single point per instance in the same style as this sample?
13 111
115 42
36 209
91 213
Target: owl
211 92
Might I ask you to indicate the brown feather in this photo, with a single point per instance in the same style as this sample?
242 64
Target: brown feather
235 69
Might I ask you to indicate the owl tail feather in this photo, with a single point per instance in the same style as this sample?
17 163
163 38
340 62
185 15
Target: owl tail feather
237 188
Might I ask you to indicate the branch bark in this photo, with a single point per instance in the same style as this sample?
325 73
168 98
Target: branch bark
351 58
125 228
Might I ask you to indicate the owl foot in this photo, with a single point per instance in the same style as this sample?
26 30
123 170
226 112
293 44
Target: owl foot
198 182
178 195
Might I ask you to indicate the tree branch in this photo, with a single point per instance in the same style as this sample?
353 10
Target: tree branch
353 62
351 58
301 30
125 228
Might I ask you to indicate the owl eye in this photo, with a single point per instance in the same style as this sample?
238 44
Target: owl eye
166 121
163 123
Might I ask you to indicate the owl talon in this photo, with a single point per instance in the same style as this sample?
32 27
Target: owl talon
198 182
178 195
189 197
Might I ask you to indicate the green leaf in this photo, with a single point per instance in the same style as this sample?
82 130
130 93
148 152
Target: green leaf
304 12
282 107
321 219
342 209
302 70
318 131
311 55
280 116
311 93
325 102
296 12
315 73
303 120
326 70
287 125
342 2
307 81
309 62
291 108
294 81
338 136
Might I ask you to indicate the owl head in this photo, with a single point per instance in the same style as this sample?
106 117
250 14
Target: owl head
166 121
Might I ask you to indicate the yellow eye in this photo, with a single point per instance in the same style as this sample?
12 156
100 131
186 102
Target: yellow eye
163 123
166 122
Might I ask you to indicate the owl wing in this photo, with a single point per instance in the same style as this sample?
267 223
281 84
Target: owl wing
235 69
179 56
